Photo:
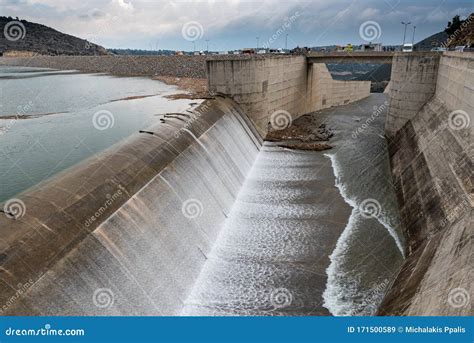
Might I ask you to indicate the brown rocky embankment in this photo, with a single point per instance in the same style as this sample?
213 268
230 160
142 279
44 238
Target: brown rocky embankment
176 66
305 133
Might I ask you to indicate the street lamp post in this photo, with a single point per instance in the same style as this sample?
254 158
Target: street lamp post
286 42
258 39
413 39
405 33
207 45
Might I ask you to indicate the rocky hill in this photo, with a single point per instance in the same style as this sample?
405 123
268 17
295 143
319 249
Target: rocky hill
464 35
23 38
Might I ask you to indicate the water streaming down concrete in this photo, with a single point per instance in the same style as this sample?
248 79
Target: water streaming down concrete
145 257
271 256
218 226
370 251
294 240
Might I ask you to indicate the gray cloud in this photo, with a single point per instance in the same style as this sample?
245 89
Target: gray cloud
232 23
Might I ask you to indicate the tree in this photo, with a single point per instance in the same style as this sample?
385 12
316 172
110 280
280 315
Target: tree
454 25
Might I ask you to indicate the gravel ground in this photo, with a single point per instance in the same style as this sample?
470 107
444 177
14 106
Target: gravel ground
177 66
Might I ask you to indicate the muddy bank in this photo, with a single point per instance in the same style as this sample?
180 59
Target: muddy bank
196 87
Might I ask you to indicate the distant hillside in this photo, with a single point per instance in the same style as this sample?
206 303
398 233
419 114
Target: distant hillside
463 34
382 73
23 37
379 77
436 40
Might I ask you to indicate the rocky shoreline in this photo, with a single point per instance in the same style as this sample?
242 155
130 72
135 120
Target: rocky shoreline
175 66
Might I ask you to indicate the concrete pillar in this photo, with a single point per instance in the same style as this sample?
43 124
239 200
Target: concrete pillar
413 83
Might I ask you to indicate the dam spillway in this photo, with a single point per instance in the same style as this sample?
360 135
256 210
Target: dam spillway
272 253
227 225
152 225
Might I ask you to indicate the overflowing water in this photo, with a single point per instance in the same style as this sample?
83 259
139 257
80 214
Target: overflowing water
370 251
228 227
51 120
271 255
145 258
296 245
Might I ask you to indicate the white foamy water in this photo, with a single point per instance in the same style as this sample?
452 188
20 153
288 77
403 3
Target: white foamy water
271 254
371 248
385 221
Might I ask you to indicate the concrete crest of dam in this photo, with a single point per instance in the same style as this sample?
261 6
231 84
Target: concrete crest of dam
200 216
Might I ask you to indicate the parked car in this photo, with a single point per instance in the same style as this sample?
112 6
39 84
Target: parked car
459 48
407 47
439 49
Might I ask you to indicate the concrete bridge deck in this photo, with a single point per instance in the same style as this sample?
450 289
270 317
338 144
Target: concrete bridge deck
351 57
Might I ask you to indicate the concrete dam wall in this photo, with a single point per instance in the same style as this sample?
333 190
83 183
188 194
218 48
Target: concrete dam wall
199 216
141 228
190 217
265 86
430 129
132 226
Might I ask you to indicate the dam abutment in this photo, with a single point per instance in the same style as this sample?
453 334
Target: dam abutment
430 152
270 86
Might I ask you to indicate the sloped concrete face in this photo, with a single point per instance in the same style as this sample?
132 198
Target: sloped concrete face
126 233
431 158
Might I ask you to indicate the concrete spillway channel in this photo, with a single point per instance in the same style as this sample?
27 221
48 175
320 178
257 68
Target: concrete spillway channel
191 217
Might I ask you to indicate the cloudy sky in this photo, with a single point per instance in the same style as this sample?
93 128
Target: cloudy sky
231 24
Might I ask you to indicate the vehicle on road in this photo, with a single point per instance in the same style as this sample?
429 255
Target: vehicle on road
407 47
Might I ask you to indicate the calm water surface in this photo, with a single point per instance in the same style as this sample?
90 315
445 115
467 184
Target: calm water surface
51 120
